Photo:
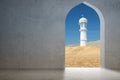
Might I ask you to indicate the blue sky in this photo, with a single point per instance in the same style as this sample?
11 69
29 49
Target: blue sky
72 34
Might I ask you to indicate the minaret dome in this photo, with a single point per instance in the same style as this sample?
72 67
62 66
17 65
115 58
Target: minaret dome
82 20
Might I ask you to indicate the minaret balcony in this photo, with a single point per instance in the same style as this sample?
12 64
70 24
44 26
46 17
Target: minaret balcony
83 29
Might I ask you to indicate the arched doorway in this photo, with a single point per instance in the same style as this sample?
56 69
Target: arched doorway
96 36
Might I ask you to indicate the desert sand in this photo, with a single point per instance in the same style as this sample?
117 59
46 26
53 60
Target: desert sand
77 56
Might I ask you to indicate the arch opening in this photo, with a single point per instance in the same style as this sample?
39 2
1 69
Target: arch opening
91 55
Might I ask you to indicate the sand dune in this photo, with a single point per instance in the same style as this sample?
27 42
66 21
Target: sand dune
77 56
94 43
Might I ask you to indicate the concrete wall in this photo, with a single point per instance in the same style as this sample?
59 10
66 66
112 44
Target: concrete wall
32 32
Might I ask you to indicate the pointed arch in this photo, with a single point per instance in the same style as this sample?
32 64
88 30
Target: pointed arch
102 32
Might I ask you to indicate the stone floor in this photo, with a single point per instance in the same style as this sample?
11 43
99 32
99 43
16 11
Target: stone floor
67 74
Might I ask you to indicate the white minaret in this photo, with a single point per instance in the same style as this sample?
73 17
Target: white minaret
83 31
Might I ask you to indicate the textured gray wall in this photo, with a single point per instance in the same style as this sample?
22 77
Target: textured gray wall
32 32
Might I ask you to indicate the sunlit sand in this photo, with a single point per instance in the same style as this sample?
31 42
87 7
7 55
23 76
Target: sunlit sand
77 56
